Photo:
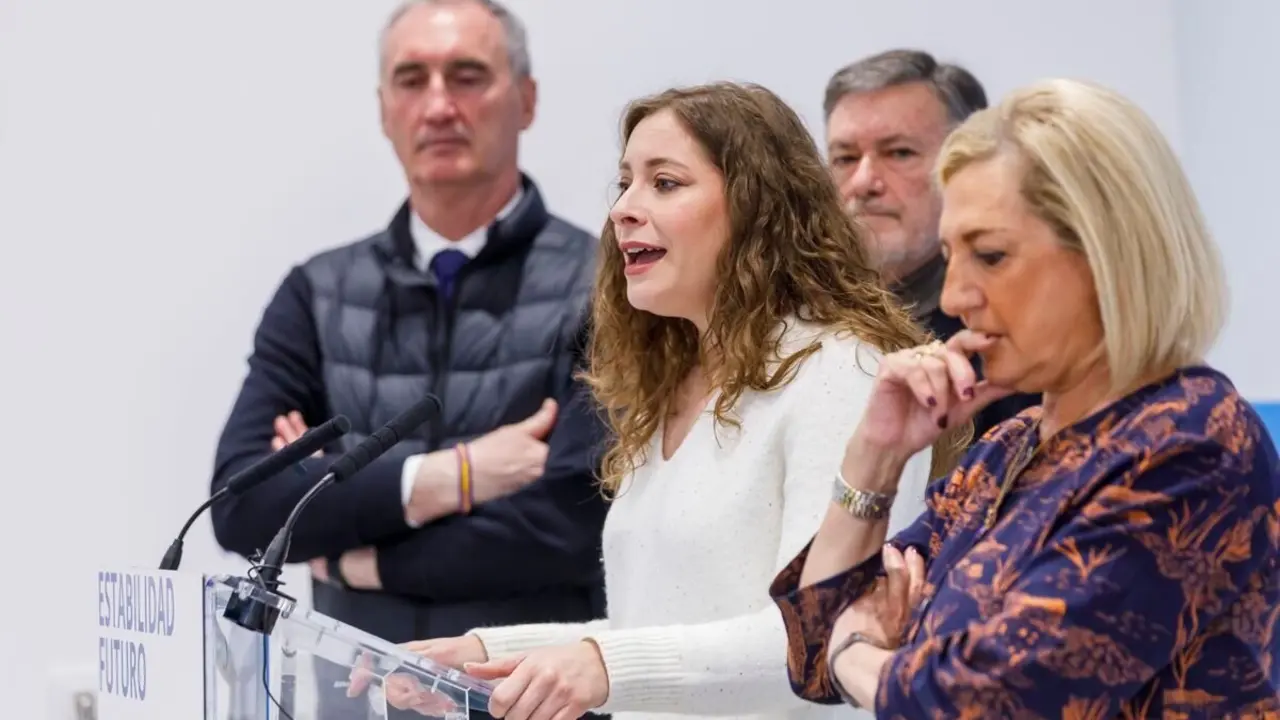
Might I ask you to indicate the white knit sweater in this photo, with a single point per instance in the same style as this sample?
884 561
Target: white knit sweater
693 542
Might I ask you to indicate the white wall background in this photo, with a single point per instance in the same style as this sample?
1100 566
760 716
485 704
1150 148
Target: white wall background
163 163
1229 112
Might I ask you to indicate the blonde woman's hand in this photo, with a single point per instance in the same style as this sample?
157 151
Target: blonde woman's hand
883 613
920 392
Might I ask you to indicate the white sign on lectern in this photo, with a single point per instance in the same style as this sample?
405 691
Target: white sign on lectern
188 646
150 645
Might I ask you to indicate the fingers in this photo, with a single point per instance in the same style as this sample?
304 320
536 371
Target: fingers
455 652
539 424
536 696
361 676
934 369
896 578
288 428
421 647
298 425
433 703
284 431
567 713
967 342
508 692
960 375
402 691
319 569
915 576
904 367
493 669
942 378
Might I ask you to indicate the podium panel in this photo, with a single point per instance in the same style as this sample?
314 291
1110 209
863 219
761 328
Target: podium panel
265 654
150 644
254 654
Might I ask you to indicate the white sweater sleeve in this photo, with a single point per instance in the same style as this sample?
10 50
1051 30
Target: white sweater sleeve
500 642
737 666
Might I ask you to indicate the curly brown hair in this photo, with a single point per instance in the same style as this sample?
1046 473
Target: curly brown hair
792 252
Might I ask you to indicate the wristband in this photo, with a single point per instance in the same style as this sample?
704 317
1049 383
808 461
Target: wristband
466 492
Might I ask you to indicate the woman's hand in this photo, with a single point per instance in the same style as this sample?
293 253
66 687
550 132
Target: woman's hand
404 691
882 614
921 391
454 652
555 683
881 617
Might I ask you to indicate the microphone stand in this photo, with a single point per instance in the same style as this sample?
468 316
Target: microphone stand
255 614
312 440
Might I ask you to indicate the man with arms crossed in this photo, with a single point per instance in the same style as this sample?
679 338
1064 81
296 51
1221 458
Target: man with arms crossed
886 118
474 293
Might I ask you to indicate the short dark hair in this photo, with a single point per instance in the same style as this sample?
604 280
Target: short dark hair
957 89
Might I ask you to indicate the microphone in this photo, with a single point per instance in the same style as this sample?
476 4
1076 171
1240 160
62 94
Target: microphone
371 448
312 440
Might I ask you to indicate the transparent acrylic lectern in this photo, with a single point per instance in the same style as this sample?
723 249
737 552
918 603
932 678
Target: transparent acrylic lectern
268 659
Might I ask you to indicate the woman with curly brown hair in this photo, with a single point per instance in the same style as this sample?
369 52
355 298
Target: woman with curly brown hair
737 330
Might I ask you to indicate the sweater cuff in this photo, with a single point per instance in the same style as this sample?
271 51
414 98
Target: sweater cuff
644 668
501 642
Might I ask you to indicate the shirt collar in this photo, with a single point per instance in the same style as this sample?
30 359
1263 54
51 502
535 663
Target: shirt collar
921 290
428 242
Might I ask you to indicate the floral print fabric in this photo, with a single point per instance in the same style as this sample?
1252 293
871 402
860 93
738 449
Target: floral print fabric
1133 572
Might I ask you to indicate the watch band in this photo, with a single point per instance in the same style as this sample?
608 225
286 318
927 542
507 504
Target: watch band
849 641
862 504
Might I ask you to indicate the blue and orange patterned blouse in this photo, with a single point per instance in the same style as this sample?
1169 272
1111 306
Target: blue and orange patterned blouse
1133 572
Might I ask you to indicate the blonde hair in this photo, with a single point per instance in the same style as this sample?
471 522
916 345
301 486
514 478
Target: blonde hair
1098 170
793 252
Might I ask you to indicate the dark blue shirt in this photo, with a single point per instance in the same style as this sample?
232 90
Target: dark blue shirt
1133 572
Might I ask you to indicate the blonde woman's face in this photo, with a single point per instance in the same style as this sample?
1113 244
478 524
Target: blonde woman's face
1009 276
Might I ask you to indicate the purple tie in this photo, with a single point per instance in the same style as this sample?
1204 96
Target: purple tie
445 266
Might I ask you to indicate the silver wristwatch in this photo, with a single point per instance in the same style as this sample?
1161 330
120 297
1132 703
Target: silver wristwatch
861 504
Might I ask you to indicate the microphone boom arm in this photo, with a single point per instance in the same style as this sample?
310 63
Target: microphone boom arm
353 461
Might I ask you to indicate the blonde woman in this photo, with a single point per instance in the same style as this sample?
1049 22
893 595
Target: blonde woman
1115 553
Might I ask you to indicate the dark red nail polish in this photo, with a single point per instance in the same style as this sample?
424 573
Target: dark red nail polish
942 422
968 393
933 401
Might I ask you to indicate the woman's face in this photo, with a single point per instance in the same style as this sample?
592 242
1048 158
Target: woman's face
1011 277
671 220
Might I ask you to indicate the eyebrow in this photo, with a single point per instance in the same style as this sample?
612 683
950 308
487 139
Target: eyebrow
972 235
410 67
656 162
895 139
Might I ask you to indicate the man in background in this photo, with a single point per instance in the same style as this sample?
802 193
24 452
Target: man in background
887 116
473 293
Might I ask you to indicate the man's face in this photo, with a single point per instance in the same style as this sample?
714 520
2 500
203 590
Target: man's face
882 146
451 106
